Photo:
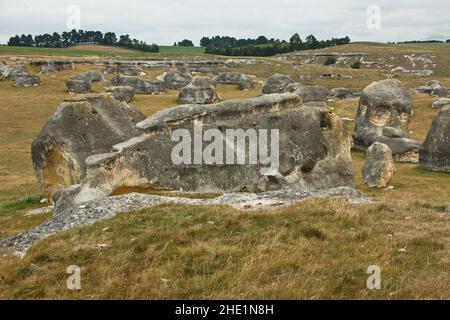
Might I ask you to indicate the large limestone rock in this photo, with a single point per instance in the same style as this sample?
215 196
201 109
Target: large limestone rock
442 102
313 151
53 65
436 88
244 81
384 113
379 166
139 85
199 91
80 127
342 93
177 78
314 96
276 83
20 75
126 70
78 86
82 83
435 151
122 93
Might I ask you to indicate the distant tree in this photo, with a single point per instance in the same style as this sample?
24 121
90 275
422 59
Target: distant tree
174 44
110 38
295 42
186 43
311 42
262 40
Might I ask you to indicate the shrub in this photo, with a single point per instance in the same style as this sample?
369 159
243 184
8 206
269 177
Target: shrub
329 61
355 65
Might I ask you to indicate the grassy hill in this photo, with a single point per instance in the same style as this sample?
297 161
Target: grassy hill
98 50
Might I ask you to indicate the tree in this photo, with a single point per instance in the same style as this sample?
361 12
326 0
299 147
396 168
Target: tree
262 40
311 42
110 38
186 43
295 42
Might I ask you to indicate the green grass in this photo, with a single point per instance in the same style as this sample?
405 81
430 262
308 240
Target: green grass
97 50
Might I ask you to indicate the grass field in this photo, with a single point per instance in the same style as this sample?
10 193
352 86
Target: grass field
318 248
99 50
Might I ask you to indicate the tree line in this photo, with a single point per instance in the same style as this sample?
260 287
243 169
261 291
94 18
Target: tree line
74 37
262 46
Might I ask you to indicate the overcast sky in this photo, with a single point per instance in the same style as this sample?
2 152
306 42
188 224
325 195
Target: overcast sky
167 21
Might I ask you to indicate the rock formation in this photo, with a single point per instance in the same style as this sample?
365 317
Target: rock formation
435 151
342 93
439 104
436 88
122 93
80 127
244 81
199 91
379 166
313 151
314 96
177 78
126 70
384 113
276 83
53 65
20 75
139 85
82 83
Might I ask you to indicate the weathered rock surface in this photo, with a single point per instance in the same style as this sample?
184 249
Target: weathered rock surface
436 88
80 127
20 75
379 166
139 85
314 152
53 65
276 83
82 83
439 104
384 113
314 96
177 78
126 70
107 208
122 93
342 93
244 81
199 91
78 86
435 151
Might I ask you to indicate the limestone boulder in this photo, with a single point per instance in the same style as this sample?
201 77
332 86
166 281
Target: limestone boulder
435 88
275 143
244 81
276 83
342 93
78 86
177 78
20 75
439 104
91 76
122 93
435 151
199 91
80 127
139 85
126 70
314 96
53 65
384 113
379 166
